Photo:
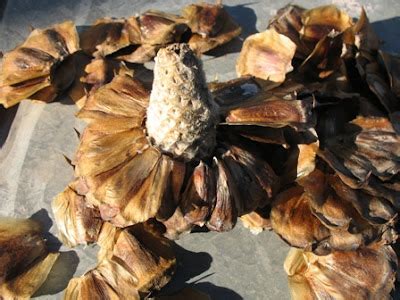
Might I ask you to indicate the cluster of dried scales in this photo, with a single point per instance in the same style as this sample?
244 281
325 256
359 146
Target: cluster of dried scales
305 142
56 59
25 261
40 68
342 208
333 277
132 262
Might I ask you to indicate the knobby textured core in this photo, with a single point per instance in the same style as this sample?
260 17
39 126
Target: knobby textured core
181 116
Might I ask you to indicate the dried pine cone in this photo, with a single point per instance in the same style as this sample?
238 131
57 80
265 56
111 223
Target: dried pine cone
180 161
310 148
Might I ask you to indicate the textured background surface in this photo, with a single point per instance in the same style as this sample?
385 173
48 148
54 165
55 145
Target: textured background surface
34 137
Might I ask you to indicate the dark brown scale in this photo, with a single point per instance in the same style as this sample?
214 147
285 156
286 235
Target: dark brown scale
32 55
224 215
58 41
28 83
18 254
210 20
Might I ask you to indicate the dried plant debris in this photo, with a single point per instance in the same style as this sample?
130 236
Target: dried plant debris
307 27
177 225
77 223
118 45
305 142
368 273
211 26
257 221
151 30
347 192
80 88
160 154
288 21
137 39
391 64
132 263
367 147
274 113
94 73
43 67
320 21
323 214
40 68
327 42
266 55
107 36
101 71
24 260
306 158
363 151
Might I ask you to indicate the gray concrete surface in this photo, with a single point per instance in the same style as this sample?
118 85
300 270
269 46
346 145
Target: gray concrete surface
34 137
